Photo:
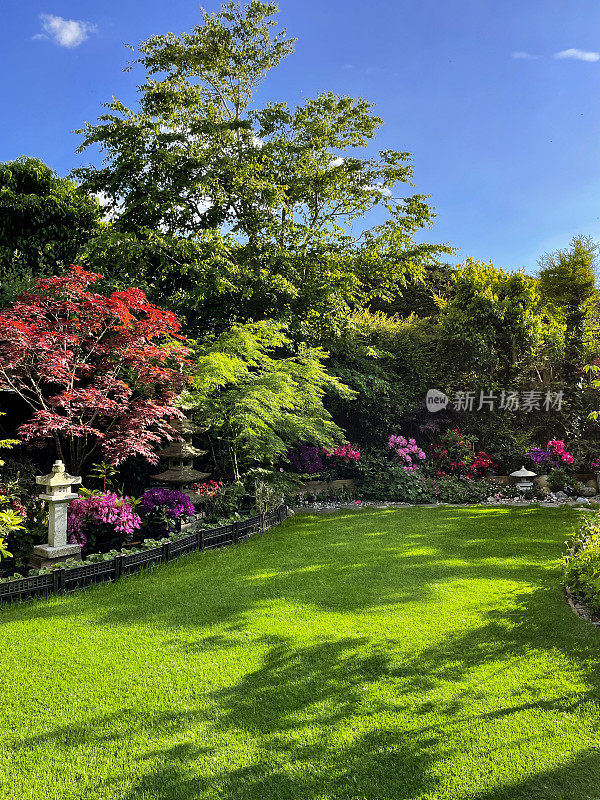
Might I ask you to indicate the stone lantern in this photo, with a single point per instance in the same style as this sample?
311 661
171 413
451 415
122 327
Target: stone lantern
180 458
58 495
524 482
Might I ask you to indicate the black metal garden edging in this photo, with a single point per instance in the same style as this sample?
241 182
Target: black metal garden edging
60 580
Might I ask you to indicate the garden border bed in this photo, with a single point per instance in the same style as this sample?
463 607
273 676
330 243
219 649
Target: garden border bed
68 580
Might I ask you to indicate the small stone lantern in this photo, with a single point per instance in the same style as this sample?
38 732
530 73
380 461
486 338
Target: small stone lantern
58 495
524 482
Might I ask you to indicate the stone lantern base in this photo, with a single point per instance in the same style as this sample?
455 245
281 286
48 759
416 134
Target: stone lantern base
44 555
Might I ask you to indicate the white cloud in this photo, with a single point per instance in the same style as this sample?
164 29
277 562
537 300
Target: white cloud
65 32
336 162
578 55
523 55
384 191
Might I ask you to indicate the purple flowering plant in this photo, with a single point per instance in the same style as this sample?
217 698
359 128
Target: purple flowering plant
306 459
160 508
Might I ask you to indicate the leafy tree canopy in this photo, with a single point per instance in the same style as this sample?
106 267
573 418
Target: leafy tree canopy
44 220
285 189
96 372
258 398
496 325
567 281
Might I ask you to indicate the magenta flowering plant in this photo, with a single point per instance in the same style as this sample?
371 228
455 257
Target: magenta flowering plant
408 451
101 521
595 465
346 452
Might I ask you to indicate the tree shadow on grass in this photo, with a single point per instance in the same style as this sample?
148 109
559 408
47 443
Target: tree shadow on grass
354 562
304 712
292 711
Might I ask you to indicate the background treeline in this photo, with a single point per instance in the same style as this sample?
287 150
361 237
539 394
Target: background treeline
293 254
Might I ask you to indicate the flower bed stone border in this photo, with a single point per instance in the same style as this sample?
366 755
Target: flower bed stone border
580 609
99 568
354 505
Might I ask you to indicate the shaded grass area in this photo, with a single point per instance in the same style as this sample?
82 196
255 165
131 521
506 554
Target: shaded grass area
379 655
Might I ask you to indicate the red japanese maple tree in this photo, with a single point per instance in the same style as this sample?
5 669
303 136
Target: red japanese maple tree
98 372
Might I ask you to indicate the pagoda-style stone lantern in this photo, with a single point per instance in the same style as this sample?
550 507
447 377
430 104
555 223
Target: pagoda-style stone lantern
524 482
180 457
58 495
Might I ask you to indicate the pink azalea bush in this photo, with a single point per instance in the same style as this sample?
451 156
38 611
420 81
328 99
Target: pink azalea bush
106 512
344 451
408 451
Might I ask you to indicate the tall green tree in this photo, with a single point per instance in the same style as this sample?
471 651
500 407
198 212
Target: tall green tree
567 282
257 398
275 200
44 221
495 327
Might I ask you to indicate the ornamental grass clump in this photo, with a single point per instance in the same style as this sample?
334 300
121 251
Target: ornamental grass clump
101 522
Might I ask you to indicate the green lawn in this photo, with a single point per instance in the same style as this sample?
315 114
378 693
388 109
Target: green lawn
413 653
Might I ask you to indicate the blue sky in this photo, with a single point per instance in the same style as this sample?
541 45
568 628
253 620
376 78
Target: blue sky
498 101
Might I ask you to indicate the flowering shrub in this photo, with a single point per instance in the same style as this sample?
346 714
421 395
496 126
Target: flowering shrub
101 521
553 456
386 479
595 464
175 504
160 508
408 451
453 454
305 459
308 459
481 464
344 451
208 489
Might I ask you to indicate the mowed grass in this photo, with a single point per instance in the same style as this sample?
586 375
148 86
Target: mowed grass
380 654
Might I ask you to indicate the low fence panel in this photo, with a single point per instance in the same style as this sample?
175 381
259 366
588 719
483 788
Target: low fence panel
249 527
182 546
145 558
219 537
36 586
87 574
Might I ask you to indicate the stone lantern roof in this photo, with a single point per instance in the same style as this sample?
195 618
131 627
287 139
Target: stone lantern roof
181 450
522 473
58 482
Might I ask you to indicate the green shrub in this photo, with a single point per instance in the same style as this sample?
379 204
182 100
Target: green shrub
452 489
581 565
382 479
559 480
